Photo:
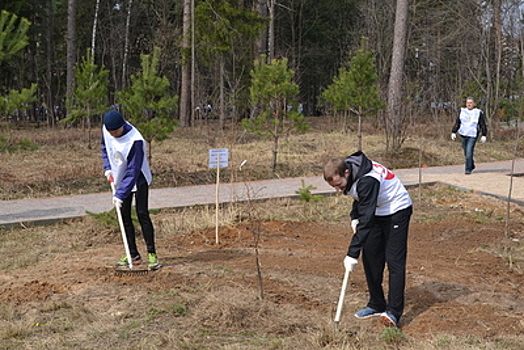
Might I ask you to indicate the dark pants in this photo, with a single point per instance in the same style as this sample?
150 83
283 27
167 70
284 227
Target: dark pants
142 211
387 243
468 145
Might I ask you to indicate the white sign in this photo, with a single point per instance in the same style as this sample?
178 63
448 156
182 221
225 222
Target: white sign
216 154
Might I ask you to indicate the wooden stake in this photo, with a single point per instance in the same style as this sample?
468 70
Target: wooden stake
217 241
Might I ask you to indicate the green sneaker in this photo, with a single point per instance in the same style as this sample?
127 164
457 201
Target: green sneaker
137 260
154 264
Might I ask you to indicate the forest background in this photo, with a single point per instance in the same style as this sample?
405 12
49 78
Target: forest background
205 51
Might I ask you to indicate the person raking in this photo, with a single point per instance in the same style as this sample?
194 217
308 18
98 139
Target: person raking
380 217
126 165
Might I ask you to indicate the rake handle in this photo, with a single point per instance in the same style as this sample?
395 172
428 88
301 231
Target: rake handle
341 297
122 230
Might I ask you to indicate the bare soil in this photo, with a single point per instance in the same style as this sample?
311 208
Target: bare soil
459 284
59 289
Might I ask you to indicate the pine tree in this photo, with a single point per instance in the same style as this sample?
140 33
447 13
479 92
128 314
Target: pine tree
16 100
223 35
355 89
89 94
13 38
13 35
272 91
146 102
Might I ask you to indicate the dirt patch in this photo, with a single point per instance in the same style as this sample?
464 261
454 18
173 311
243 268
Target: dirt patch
29 291
453 287
459 282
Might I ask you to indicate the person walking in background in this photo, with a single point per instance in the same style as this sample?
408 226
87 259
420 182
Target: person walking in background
380 218
469 125
126 165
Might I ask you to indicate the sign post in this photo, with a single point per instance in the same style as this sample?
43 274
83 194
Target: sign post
218 158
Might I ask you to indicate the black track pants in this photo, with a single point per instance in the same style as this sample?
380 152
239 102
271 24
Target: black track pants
142 211
387 243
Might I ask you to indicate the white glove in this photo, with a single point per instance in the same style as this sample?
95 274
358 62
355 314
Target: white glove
453 136
109 175
350 263
483 139
117 202
354 224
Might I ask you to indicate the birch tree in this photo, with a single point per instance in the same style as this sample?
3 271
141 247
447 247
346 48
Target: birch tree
126 44
95 26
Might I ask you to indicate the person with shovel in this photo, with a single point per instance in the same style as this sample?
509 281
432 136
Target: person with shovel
380 217
127 168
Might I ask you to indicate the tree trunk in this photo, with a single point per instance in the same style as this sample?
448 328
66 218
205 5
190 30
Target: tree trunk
88 119
359 133
222 120
185 87
261 44
71 48
275 151
521 46
498 52
126 45
394 110
48 107
271 34
93 34
193 63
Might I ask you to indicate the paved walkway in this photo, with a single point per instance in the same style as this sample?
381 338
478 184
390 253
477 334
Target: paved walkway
489 178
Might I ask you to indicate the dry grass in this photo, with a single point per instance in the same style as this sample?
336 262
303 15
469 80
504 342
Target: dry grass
64 164
198 306
208 308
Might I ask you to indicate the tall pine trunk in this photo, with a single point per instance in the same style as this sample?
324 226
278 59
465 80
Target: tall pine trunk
71 49
50 102
185 84
261 43
394 111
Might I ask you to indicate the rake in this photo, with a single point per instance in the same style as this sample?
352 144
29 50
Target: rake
118 271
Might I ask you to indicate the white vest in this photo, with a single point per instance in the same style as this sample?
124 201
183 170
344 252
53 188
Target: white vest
117 151
469 119
392 195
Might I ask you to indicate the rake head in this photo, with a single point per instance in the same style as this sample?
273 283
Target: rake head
127 272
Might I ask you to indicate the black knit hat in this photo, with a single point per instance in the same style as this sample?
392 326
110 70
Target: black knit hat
113 120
